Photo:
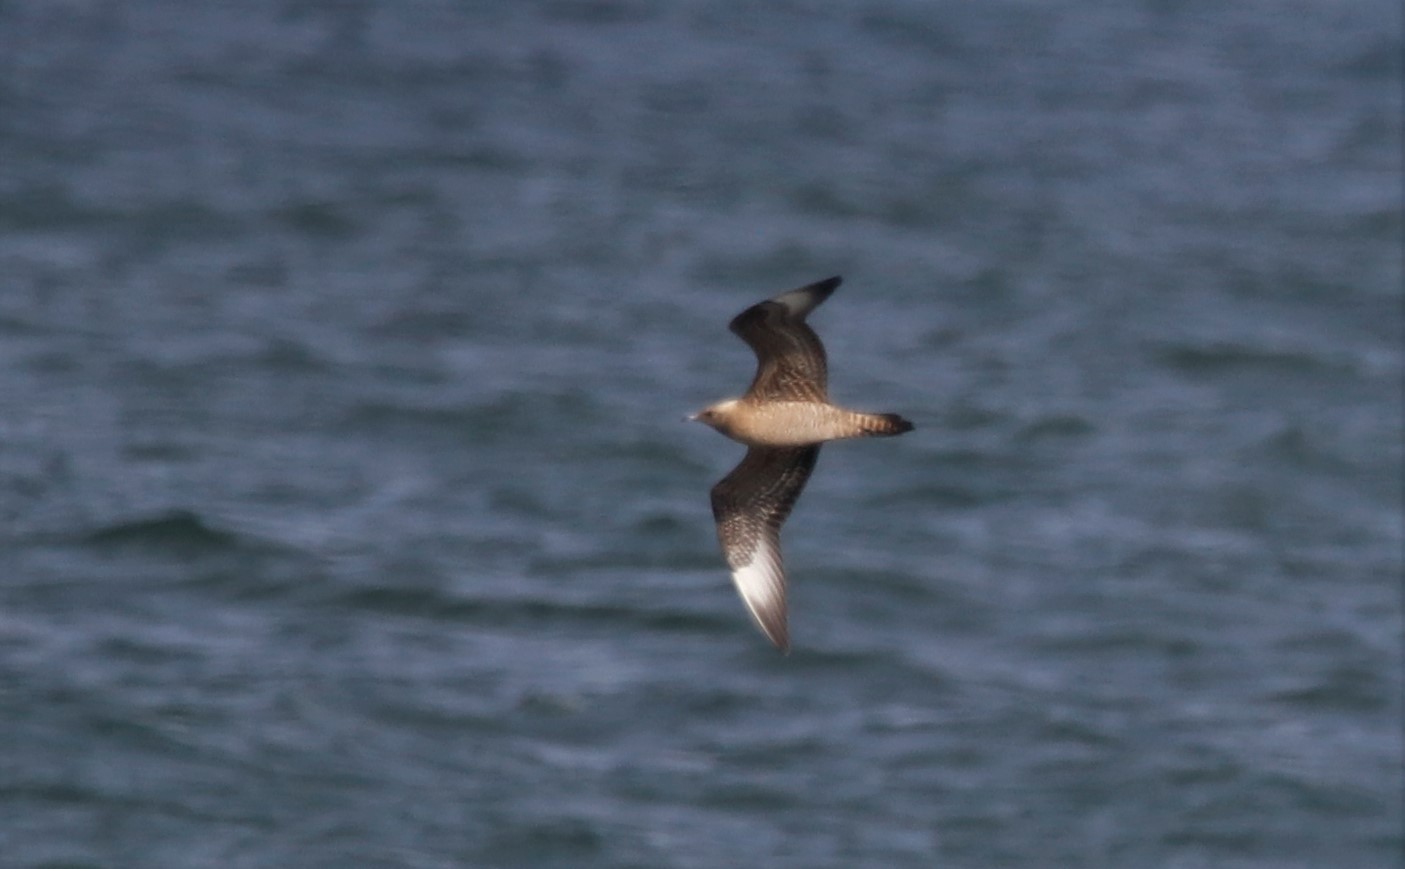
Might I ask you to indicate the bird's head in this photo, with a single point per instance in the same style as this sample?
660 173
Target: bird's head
717 416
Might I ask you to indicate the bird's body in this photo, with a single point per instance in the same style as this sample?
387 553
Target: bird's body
783 418
798 423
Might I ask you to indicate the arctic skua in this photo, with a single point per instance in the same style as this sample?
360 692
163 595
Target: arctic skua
783 419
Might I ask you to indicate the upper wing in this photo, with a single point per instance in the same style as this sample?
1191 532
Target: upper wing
750 504
790 360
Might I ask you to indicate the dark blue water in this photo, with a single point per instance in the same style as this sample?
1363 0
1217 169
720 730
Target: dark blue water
346 517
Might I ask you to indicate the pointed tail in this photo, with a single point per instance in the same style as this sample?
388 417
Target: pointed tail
881 425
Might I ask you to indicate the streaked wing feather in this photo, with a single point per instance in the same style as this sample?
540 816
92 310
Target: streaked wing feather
790 360
750 504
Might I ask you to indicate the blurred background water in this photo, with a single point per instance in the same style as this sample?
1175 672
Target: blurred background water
346 517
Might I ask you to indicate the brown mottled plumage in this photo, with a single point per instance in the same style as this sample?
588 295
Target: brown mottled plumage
783 418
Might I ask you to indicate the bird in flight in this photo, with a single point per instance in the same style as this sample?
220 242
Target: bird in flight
783 419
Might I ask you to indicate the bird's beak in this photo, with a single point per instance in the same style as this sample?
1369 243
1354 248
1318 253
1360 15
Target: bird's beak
692 417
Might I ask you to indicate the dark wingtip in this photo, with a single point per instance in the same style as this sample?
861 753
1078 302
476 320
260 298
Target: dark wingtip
826 286
774 626
817 292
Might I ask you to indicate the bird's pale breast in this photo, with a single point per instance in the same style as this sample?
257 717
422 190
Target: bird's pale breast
788 423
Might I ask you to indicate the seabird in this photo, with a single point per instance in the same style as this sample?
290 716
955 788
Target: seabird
783 419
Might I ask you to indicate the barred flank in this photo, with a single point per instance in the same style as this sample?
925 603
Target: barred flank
882 424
